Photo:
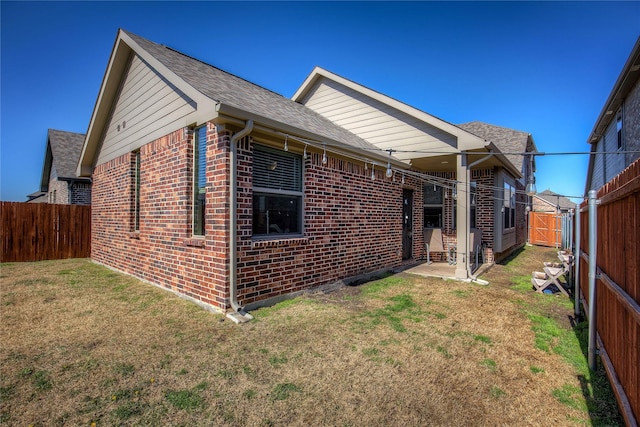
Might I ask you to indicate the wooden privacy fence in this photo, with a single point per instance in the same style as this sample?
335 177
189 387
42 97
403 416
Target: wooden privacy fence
40 231
617 307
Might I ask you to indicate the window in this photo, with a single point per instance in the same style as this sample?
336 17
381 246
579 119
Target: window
433 204
619 130
509 208
136 193
472 209
199 179
277 192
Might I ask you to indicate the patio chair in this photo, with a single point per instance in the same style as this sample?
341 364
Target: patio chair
433 243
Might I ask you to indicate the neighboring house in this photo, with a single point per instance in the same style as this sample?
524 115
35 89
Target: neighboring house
548 201
233 196
618 127
37 197
59 180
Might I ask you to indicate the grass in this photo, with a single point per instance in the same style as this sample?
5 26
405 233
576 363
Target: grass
85 345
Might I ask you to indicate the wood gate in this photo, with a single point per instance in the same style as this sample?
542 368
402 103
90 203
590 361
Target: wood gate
545 229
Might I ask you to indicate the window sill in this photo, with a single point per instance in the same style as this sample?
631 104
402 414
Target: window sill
275 243
196 242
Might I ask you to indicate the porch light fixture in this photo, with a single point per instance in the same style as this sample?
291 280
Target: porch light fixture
324 156
403 178
304 154
286 146
373 172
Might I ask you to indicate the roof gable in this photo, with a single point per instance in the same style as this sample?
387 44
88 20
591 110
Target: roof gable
215 92
506 140
62 154
381 120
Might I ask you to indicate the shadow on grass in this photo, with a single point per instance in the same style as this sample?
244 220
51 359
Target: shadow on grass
596 389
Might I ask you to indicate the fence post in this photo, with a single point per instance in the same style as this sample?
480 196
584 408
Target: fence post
576 262
593 217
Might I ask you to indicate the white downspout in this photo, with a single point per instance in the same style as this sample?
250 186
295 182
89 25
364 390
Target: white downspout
477 162
233 217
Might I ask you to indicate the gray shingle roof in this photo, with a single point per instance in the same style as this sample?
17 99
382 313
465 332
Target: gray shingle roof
507 140
556 200
65 149
246 96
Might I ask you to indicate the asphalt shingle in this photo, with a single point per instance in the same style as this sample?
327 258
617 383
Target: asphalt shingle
65 149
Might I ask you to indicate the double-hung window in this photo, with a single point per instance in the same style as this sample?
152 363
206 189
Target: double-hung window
277 192
433 206
199 179
509 208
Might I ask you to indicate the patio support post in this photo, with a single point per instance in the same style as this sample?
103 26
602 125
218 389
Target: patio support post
462 217
593 217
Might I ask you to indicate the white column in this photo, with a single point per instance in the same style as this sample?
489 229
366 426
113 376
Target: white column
462 217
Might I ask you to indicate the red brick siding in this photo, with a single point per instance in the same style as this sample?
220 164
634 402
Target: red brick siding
351 226
161 252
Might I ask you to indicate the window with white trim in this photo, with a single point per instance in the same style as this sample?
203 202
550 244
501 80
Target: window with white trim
509 207
433 206
277 192
199 179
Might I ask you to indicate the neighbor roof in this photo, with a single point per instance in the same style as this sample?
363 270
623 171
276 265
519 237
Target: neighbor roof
231 95
63 152
507 140
555 199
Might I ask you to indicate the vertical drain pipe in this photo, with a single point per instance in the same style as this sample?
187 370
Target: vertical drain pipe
233 216
593 217
576 263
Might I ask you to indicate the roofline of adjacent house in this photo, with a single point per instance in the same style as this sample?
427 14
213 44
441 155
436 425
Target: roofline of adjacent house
623 85
319 72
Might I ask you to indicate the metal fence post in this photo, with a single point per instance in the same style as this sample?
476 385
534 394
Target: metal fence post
593 217
576 262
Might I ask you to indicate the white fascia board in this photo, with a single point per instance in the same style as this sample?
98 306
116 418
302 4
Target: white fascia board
466 140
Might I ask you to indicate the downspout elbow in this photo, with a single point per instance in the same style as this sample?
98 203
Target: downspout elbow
233 216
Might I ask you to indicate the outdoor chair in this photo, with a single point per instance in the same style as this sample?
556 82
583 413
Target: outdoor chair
433 243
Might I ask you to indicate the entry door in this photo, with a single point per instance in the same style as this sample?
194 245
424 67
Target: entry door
407 223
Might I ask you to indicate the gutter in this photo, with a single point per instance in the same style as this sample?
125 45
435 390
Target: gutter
239 315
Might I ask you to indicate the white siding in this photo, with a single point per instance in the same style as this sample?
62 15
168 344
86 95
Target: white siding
146 103
376 122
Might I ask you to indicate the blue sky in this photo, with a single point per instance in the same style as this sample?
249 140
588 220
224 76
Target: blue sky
541 67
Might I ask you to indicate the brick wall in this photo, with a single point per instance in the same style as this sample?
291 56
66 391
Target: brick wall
58 192
352 225
163 252
80 193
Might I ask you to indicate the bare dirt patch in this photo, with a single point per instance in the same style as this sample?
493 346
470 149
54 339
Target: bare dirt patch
83 345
